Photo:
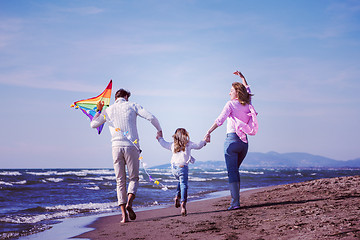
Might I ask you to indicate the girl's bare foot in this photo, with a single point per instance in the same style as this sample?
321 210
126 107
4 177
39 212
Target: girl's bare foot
177 202
183 209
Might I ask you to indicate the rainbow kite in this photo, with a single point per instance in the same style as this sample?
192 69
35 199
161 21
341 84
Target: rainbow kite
88 106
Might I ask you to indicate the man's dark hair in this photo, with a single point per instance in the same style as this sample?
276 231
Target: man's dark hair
122 93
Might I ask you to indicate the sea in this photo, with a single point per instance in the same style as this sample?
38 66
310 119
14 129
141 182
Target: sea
36 200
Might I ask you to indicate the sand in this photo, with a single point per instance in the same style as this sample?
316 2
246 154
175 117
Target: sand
318 209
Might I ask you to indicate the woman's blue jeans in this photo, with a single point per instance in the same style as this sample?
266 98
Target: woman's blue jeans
235 151
181 174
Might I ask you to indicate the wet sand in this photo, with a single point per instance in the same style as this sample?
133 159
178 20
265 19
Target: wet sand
318 209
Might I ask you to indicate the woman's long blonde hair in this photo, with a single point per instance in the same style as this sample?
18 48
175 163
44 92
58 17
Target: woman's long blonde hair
181 138
243 96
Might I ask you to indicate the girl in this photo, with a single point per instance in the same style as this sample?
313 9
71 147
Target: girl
180 159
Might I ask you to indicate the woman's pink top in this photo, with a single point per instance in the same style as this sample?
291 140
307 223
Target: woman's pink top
241 119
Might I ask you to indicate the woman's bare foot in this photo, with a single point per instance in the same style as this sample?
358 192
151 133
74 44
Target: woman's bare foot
183 209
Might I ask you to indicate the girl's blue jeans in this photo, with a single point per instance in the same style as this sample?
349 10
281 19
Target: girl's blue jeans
235 151
181 174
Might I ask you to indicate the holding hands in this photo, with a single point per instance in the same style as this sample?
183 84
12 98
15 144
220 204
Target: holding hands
207 138
159 135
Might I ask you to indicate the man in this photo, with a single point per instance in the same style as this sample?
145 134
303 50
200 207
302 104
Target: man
121 117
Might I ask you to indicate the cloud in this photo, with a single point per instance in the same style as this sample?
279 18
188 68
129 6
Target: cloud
82 10
306 81
43 79
9 31
117 45
344 8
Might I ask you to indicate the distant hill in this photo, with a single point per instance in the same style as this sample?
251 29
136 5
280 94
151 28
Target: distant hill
280 160
274 159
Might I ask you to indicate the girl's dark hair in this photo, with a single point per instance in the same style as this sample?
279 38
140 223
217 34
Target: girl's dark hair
122 93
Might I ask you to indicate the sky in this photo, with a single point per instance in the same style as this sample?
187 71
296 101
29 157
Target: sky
177 58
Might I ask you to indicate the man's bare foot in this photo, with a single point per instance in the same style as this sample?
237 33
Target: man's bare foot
124 219
131 212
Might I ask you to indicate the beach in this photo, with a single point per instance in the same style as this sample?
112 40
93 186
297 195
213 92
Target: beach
319 209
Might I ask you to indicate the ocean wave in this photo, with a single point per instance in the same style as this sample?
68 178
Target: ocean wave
198 179
154 203
171 186
76 184
84 206
219 172
170 180
110 178
13 183
157 187
5 183
76 173
156 172
84 184
10 173
248 172
36 218
54 180
92 188
156 169
79 173
94 178
58 212
206 169
98 171
48 173
194 179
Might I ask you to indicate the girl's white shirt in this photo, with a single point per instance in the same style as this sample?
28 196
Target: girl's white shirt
181 158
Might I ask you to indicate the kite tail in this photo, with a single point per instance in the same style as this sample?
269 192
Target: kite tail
163 187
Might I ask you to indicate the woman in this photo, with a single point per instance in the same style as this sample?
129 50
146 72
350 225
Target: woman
241 120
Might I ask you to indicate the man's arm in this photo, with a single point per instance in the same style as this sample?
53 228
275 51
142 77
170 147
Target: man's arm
98 119
142 112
